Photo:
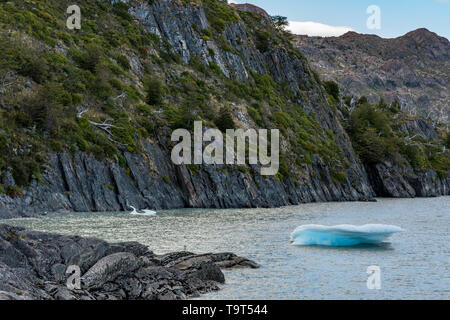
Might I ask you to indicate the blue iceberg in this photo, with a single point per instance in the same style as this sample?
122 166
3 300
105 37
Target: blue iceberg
342 235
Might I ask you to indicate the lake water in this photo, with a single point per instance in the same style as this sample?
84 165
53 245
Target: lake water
414 264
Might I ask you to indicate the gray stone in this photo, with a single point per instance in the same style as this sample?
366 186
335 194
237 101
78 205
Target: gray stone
33 265
109 268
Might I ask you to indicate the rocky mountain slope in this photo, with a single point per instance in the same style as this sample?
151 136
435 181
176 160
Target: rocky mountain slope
414 68
33 266
86 115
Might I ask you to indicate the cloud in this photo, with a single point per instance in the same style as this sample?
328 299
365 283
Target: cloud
316 29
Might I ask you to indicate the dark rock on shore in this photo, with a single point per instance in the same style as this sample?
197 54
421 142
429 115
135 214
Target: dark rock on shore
33 267
391 180
81 183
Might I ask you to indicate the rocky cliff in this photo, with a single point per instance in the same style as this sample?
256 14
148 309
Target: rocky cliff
82 183
95 135
394 176
33 266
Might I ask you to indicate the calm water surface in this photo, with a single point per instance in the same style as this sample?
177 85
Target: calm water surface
414 264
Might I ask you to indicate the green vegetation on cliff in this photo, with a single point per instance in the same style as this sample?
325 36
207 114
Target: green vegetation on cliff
108 87
381 132
58 83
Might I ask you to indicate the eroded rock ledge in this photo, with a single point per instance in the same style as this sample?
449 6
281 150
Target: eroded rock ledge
33 267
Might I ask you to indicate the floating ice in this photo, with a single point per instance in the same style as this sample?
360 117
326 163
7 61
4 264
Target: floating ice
144 212
342 235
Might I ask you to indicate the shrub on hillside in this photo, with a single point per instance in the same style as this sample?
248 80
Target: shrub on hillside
154 89
332 89
225 120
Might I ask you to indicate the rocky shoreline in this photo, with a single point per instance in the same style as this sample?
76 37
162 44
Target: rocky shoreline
33 266
81 183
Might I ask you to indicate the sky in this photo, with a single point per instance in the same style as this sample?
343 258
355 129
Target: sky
334 17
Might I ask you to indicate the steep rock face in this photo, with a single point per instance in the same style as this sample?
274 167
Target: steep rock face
391 180
33 266
174 22
420 128
168 19
82 183
396 178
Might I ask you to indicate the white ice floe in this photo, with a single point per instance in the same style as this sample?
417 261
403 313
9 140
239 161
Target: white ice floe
342 235
144 212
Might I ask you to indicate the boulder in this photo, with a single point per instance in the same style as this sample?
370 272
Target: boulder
109 268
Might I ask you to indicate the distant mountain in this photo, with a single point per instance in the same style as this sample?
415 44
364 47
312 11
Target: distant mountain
414 68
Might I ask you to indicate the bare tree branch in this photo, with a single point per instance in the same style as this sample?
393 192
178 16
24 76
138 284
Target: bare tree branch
105 126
